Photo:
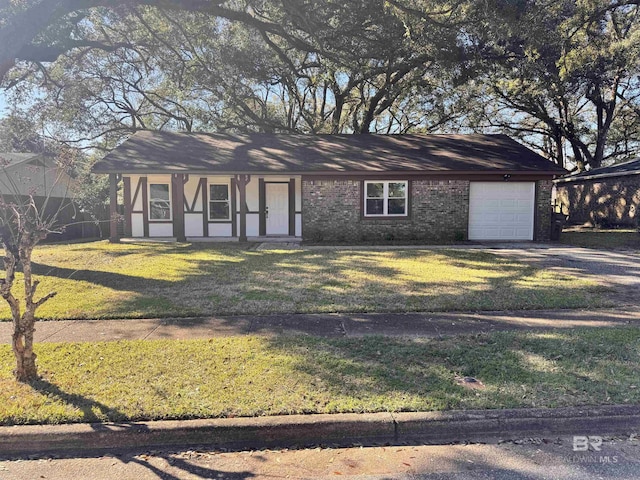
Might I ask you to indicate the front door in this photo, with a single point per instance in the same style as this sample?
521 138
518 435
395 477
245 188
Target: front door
277 208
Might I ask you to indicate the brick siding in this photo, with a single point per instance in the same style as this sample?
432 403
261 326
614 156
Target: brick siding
331 211
604 202
438 211
543 212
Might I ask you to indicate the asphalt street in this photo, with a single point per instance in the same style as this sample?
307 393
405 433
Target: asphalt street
530 459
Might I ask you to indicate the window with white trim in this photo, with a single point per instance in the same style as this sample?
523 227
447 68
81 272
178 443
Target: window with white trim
219 202
159 201
385 199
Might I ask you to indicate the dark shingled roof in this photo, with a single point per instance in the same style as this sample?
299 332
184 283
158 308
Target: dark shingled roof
632 167
156 152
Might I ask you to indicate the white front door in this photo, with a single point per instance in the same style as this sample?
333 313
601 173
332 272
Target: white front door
277 208
501 210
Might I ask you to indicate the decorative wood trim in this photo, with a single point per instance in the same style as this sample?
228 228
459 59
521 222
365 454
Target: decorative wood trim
135 196
292 207
191 208
232 207
128 222
177 192
262 208
205 207
145 206
113 208
242 181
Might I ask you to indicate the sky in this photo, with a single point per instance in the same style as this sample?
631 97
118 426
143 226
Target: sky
3 104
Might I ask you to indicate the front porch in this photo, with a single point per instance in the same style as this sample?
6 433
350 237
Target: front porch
283 239
193 207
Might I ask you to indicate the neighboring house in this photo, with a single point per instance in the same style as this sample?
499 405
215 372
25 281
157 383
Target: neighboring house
36 175
607 196
32 174
352 188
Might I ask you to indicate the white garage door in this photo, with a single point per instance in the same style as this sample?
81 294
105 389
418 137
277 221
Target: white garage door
501 210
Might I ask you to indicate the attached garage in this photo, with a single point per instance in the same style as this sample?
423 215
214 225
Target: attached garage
501 210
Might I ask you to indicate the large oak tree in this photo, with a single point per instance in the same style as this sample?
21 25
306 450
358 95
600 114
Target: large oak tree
292 66
562 76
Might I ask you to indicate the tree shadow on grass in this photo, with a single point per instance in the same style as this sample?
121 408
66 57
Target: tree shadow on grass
517 369
113 280
93 412
249 282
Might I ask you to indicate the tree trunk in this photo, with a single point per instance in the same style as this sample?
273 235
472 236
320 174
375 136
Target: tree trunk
23 333
337 114
558 141
577 156
23 325
22 344
22 339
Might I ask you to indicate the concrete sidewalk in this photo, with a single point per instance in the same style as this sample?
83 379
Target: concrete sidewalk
424 324
338 429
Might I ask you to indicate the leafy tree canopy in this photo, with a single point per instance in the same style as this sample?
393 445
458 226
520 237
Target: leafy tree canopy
562 75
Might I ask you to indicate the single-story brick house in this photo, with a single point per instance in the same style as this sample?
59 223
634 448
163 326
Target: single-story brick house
189 186
607 196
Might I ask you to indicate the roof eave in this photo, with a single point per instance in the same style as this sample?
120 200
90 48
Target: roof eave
546 173
596 176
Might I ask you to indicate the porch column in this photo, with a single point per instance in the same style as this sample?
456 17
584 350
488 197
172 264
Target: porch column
126 187
242 181
113 208
292 207
178 180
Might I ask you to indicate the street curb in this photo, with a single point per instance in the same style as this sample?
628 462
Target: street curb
332 429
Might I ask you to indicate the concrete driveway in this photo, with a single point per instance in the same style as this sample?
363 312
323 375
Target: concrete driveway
618 269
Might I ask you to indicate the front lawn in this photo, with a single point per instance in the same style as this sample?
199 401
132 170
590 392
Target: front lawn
102 280
253 376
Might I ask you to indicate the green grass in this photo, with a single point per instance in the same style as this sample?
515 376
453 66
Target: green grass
601 238
102 280
254 376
